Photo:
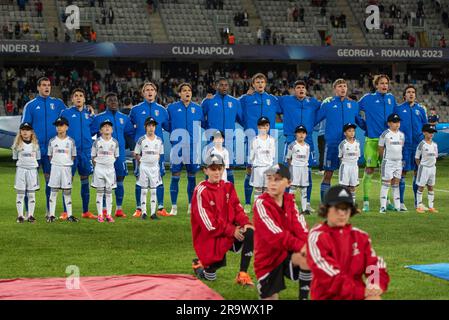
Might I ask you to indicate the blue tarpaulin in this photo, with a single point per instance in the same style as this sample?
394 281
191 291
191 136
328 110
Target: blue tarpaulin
439 270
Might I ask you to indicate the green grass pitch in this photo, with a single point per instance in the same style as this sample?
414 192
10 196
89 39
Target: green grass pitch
133 246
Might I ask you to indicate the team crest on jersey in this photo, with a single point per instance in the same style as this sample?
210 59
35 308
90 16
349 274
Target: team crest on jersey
389 101
417 112
268 102
122 121
193 110
355 250
52 106
86 116
156 113
229 104
349 105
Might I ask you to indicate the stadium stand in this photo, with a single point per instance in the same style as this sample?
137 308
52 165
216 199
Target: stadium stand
131 22
30 26
427 29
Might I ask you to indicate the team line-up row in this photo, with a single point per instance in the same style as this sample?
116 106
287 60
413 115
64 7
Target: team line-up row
256 110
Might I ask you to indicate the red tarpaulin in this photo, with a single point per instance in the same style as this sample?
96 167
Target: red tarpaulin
130 287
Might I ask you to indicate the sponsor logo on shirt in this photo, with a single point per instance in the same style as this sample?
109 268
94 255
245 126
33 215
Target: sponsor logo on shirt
216 104
73 115
38 108
144 112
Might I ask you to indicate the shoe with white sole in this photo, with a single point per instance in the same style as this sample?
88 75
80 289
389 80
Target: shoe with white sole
383 210
403 208
309 208
247 208
174 211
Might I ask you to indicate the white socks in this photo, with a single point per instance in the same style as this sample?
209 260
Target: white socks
383 194
99 202
68 201
396 197
143 200
20 199
304 198
353 196
53 198
31 203
108 195
153 201
430 198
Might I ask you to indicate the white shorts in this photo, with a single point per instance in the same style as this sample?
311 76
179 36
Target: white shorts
149 177
26 179
60 177
426 176
348 175
300 176
391 169
258 177
104 177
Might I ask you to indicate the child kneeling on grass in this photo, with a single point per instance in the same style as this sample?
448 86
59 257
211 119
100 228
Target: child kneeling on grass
280 238
219 225
341 256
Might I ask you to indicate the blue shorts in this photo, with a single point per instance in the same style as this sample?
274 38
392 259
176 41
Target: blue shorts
331 160
408 159
191 168
121 169
44 162
161 167
83 163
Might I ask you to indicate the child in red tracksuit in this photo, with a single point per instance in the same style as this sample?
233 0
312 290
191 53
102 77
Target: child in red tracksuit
219 225
340 255
280 237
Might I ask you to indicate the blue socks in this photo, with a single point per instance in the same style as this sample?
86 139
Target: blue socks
402 189
138 189
415 189
230 174
323 189
174 189
119 193
47 195
160 195
309 188
248 189
85 194
191 183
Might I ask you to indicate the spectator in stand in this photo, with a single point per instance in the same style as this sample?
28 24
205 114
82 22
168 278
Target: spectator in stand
103 16
17 30
111 15
445 17
9 108
55 34
37 35
328 40
245 18
66 37
391 31
10 31
342 20
301 14
21 4
295 14
220 4
411 41
39 8
267 38
433 117
442 42
93 36
79 37
101 3
92 3
393 11
323 11
231 39
259 35
398 13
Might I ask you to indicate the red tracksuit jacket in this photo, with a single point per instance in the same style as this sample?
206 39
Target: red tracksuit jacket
278 232
339 258
216 211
